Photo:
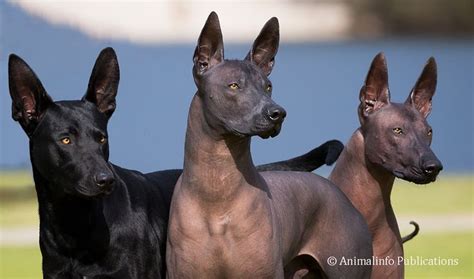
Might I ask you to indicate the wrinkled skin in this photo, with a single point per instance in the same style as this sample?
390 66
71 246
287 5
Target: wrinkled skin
393 141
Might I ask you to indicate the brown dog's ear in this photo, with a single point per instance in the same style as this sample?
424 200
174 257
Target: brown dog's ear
265 47
210 46
104 81
424 88
29 98
375 93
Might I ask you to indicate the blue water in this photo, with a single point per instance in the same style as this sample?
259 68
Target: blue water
318 85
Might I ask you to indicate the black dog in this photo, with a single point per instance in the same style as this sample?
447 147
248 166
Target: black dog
97 220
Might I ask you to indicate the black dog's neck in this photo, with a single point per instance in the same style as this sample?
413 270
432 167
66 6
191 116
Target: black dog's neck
80 224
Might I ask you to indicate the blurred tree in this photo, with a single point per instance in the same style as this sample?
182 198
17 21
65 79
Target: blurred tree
451 18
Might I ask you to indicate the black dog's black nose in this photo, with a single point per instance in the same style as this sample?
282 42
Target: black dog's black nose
432 168
104 179
276 114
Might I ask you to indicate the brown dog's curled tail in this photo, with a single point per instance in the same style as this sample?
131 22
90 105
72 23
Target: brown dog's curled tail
413 233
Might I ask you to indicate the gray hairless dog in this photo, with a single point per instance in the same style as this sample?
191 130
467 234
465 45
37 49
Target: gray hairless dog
226 219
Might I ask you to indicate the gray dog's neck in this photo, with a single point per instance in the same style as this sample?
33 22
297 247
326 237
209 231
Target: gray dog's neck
215 166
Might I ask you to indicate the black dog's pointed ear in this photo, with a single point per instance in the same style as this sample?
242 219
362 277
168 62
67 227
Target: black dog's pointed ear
210 46
375 93
265 47
104 81
29 98
424 89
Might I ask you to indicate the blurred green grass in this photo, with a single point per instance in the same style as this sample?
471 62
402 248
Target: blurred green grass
449 195
443 246
18 204
15 179
20 262
19 214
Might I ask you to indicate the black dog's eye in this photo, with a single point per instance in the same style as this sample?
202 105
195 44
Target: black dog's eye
234 86
430 132
102 139
66 140
269 88
397 130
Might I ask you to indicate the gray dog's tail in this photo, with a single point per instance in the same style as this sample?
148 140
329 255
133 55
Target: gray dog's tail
413 233
325 154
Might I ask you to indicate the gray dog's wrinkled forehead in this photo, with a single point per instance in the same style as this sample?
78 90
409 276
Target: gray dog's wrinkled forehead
238 69
394 113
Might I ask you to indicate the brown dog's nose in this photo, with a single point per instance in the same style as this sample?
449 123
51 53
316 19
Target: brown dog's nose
104 179
276 114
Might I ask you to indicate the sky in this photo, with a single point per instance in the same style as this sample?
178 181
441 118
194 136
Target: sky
317 83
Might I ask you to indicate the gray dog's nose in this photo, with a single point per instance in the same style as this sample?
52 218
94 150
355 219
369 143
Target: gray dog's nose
104 179
276 114
432 168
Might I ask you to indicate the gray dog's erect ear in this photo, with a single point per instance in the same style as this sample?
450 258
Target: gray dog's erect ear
265 47
375 93
29 98
104 81
424 88
210 47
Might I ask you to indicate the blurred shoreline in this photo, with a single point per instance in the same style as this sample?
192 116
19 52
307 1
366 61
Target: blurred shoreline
178 21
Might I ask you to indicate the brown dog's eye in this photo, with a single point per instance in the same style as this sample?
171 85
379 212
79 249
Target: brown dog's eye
102 139
269 88
234 86
397 130
430 132
66 141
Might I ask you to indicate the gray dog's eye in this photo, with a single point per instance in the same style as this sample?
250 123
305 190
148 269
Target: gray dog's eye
234 86
102 139
269 88
397 130
430 132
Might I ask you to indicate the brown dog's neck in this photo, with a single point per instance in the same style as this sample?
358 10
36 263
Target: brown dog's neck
368 186
214 166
